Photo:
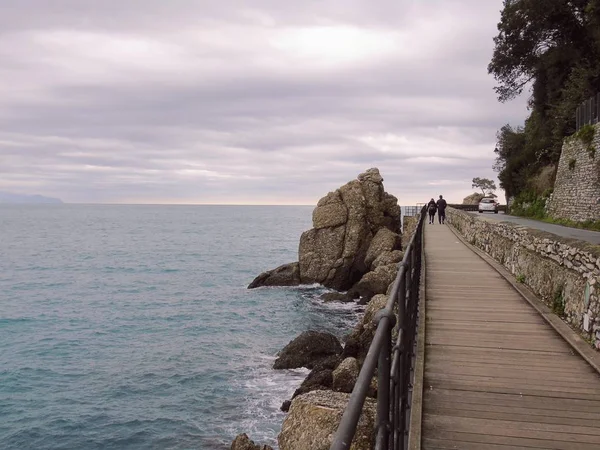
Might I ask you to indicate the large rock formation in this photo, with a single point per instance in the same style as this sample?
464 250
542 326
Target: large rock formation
355 229
307 350
313 420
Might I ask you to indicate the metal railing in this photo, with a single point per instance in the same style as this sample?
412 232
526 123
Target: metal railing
410 211
393 363
588 112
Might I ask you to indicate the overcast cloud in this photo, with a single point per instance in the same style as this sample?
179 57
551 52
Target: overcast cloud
193 101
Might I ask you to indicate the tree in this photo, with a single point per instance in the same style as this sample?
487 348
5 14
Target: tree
487 186
552 47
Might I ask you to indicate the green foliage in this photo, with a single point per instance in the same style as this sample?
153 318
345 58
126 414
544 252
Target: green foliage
520 278
558 302
528 204
510 159
572 162
552 46
586 136
486 185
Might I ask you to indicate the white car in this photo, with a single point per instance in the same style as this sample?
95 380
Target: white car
488 205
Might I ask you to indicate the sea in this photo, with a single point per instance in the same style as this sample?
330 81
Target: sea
131 327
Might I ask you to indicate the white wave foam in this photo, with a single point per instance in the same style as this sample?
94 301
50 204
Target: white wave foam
266 390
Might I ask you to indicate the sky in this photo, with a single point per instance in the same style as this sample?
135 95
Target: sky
246 102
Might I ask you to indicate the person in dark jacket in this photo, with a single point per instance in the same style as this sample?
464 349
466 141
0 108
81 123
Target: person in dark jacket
431 209
441 209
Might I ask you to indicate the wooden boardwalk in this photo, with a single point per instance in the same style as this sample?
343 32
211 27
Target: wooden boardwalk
497 376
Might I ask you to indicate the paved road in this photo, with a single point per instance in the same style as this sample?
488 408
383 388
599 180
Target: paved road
573 233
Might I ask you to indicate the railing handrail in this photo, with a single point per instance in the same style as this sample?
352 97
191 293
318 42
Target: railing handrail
393 362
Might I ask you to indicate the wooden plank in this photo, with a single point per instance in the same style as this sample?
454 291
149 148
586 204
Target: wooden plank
505 388
447 362
590 435
512 373
468 441
443 444
434 405
523 416
507 354
511 400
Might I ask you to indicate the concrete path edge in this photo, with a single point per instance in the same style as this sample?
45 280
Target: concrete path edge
591 356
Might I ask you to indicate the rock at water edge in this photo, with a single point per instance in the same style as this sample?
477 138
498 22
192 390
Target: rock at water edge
314 418
243 442
285 275
307 350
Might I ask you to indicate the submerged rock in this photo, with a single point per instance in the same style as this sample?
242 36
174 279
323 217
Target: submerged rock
307 350
285 275
243 442
336 297
313 420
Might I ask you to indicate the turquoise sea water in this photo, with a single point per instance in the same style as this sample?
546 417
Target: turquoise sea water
130 327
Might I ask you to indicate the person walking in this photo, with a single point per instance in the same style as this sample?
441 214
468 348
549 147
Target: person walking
441 209
431 209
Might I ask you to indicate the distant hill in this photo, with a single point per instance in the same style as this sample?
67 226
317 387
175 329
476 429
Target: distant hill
8 197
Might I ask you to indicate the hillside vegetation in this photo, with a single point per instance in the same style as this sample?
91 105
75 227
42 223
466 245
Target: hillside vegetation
553 48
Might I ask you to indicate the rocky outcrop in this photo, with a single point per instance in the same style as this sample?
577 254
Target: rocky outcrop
313 420
355 229
243 442
355 245
345 375
307 350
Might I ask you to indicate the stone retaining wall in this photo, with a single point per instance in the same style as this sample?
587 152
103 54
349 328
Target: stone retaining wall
576 193
564 273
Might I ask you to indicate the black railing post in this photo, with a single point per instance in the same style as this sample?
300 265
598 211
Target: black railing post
387 321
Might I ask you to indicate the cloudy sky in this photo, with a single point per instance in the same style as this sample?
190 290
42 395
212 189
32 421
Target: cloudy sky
246 102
